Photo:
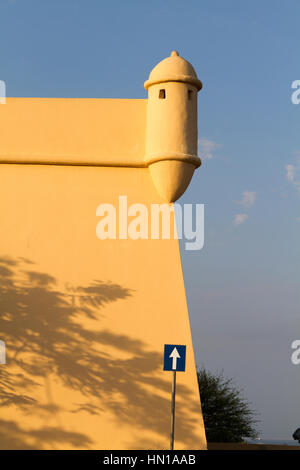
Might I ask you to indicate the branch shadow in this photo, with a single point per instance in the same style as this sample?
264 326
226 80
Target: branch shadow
41 325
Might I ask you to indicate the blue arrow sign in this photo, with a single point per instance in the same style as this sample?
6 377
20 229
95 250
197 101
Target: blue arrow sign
174 357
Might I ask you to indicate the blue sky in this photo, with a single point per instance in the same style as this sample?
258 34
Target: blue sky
243 286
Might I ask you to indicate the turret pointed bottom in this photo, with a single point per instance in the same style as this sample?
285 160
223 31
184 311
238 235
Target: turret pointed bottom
171 178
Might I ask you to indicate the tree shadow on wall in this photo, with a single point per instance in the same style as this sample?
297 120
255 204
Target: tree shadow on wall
44 334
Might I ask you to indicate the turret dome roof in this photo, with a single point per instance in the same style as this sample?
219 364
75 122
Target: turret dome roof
173 69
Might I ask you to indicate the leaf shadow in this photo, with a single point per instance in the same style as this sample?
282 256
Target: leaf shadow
42 326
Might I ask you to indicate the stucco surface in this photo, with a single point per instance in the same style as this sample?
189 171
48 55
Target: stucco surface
85 320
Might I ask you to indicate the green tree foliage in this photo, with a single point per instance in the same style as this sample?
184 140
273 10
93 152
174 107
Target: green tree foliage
227 415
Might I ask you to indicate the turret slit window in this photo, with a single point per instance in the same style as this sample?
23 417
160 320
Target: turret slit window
190 94
162 94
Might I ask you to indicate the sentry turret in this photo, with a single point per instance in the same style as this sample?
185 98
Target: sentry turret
172 134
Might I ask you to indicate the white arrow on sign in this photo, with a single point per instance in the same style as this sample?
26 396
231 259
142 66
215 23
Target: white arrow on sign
174 355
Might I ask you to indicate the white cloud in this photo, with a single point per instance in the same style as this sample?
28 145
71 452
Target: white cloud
292 175
248 198
206 149
290 172
239 219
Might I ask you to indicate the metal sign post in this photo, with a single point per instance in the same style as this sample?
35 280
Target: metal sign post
174 360
173 411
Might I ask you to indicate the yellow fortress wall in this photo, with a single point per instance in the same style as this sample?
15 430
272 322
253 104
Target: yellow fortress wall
85 320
